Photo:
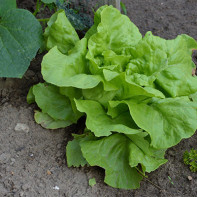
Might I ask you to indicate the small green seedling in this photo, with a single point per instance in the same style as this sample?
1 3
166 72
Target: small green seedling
92 182
170 180
123 7
190 158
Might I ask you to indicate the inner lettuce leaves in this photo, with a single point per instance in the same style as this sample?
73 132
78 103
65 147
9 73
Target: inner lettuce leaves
137 93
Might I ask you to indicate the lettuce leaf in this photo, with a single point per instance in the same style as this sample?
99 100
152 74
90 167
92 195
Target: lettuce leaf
60 33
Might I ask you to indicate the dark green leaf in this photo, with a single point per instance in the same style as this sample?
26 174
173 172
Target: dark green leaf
20 39
6 5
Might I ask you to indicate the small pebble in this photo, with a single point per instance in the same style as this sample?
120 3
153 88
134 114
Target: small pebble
56 188
49 172
21 127
189 178
12 161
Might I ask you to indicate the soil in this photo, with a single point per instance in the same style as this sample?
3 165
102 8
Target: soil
32 159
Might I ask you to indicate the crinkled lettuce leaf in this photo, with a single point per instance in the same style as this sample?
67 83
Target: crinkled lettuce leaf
163 64
101 124
68 70
166 120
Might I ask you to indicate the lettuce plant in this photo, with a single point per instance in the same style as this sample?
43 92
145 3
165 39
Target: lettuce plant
137 93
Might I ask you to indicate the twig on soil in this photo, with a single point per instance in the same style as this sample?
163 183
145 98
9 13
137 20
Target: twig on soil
161 189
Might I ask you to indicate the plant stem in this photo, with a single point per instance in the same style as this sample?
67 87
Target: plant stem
140 172
43 19
38 5
149 180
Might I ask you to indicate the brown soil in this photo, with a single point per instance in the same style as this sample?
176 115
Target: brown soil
33 162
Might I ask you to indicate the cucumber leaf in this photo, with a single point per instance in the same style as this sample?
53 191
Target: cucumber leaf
20 39
6 5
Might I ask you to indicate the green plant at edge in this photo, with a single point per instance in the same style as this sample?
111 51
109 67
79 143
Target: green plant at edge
123 7
190 159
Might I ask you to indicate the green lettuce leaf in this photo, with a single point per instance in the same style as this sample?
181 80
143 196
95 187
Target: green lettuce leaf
54 104
118 154
101 124
166 120
112 154
114 32
97 20
60 33
142 153
163 64
74 154
48 122
68 70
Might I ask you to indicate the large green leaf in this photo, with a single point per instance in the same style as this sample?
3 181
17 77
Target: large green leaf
115 31
166 120
53 103
112 153
20 39
118 154
142 153
101 124
6 5
68 70
60 33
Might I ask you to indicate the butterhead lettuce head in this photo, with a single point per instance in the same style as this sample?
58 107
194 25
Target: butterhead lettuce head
137 93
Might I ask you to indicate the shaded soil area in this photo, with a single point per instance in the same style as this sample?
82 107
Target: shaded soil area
32 159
